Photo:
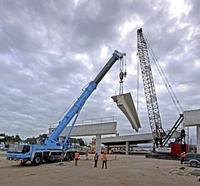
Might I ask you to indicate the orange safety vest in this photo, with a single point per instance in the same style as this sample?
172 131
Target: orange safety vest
183 155
104 157
77 155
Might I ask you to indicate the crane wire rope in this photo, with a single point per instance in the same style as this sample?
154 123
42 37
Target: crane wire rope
164 79
122 74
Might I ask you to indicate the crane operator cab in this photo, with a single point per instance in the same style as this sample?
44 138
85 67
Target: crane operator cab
19 152
19 148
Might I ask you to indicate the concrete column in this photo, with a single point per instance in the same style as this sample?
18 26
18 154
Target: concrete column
198 139
127 147
108 149
98 144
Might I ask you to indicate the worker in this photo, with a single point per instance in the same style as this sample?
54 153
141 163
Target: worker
77 156
86 154
104 158
96 157
182 157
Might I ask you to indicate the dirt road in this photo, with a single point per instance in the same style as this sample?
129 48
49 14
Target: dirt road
122 171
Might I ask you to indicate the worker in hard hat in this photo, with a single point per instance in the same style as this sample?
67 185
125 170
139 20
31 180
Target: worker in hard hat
76 157
104 158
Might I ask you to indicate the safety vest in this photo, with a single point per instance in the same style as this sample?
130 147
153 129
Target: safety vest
183 155
76 155
104 157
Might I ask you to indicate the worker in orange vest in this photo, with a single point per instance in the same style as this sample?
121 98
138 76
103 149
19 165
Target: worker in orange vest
76 156
182 157
104 158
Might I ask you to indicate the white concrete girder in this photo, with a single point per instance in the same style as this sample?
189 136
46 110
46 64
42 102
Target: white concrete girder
131 138
126 105
191 118
92 129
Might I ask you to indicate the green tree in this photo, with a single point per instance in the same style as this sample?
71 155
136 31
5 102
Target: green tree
17 138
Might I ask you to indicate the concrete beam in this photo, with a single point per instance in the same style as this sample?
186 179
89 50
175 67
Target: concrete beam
132 139
191 118
126 105
92 129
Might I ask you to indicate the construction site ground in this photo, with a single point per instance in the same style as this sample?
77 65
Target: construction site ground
122 171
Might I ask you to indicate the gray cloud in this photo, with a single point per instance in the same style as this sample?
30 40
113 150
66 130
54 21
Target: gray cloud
51 49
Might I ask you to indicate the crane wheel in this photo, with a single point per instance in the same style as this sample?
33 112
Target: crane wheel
37 160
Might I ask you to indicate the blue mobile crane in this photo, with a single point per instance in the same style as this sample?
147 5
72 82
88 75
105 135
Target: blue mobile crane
52 149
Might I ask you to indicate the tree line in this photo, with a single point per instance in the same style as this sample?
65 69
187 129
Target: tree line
33 140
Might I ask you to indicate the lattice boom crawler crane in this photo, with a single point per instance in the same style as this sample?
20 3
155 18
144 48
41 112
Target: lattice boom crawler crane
149 89
160 137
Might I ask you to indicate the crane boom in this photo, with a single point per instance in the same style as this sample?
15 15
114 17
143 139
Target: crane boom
52 148
149 89
77 106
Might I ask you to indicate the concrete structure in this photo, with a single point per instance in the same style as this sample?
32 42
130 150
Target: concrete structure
91 130
126 105
127 140
192 118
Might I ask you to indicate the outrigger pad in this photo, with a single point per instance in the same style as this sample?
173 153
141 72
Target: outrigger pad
126 105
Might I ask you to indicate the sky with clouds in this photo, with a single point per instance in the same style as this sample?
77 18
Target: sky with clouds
50 50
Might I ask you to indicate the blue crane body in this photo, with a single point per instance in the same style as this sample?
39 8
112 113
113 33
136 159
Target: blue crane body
52 149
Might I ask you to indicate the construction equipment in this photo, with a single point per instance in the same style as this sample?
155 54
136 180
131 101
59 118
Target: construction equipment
159 135
125 101
52 149
149 89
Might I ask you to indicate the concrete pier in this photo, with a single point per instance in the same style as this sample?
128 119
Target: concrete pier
98 144
127 147
192 118
198 138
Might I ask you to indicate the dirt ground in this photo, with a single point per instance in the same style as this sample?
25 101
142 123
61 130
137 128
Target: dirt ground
122 170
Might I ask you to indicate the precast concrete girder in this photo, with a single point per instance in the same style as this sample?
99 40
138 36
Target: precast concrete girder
126 105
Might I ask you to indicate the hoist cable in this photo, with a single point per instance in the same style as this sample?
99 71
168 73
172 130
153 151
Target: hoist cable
165 80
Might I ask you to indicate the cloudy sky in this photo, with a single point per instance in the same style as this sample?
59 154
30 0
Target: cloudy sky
51 49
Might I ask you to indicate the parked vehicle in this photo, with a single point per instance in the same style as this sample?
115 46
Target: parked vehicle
192 159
